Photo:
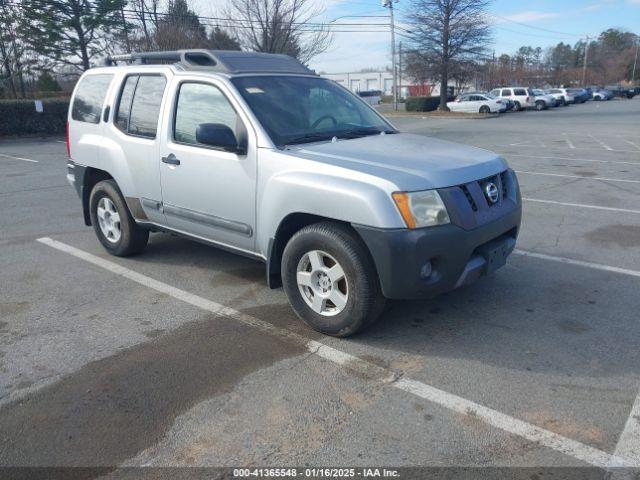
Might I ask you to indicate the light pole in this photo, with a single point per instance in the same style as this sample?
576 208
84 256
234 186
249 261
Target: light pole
635 62
584 64
389 4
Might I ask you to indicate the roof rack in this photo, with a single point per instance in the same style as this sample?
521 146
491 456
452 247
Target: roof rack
224 61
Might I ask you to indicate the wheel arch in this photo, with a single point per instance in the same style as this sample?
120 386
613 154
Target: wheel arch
288 227
90 177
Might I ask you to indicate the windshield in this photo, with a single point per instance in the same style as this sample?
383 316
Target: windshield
296 110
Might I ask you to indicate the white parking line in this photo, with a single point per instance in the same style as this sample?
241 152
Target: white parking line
577 148
19 158
581 205
602 144
570 158
604 179
628 445
633 144
450 401
569 142
579 263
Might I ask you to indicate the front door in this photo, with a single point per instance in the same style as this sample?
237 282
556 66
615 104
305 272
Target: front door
207 191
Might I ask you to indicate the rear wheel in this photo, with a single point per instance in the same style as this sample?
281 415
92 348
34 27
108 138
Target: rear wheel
114 226
517 107
485 109
330 279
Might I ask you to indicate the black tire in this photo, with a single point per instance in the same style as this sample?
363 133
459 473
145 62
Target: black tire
485 109
540 105
365 301
517 107
596 99
133 238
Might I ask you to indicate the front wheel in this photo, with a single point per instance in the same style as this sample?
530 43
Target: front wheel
114 226
330 279
517 107
485 109
540 106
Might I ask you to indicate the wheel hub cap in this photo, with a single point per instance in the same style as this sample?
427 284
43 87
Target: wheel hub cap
322 283
109 220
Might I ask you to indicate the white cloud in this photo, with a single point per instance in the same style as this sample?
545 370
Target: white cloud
529 16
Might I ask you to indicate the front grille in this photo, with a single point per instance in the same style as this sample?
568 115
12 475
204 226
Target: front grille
470 199
504 179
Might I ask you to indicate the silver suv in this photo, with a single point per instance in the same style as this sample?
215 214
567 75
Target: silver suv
256 154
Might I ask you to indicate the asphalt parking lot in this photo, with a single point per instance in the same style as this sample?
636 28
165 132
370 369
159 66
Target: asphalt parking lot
182 356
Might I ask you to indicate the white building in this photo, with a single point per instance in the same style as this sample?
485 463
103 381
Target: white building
383 80
366 81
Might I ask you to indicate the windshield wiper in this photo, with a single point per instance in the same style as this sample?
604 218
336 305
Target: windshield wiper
363 132
309 137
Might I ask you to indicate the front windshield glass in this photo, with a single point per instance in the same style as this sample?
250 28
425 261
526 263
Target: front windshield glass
295 110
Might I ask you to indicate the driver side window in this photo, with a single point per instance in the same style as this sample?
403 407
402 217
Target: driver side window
201 103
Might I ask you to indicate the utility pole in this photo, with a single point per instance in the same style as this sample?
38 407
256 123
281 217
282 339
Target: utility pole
635 62
389 4
400 70
584 63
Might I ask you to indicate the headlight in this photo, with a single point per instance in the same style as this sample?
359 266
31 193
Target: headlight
421 209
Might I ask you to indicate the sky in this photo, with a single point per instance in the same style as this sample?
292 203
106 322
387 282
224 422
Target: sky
515 23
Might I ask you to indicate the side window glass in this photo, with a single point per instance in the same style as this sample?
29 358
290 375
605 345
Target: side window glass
506 92
145 108
200 103
495 92
520 92
89 98
124 105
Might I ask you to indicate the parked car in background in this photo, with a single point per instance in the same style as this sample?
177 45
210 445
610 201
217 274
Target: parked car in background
620 91
562 95
601 94
580 95
477 102
521 97
544 100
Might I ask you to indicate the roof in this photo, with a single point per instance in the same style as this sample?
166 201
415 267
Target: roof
224 61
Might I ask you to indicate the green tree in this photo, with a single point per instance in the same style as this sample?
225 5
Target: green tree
71 32
180 28
221 40
46 83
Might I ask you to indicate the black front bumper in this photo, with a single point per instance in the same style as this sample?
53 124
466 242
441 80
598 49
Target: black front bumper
425 262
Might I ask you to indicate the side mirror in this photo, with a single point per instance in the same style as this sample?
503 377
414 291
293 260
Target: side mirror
217 135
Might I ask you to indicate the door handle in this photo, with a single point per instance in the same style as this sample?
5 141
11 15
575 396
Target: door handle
171 159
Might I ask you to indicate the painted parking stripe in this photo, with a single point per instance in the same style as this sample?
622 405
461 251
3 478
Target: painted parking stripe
18 158
574 159
633 144
581 205
386 376
569 142
628 445
602 144
604 179
579 263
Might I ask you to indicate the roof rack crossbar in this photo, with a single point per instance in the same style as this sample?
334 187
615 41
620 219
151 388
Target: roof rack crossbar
227 61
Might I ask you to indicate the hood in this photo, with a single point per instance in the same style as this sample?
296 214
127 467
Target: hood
411 162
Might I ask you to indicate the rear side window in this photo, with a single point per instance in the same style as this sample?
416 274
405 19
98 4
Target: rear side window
520 91
139 105
89 98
